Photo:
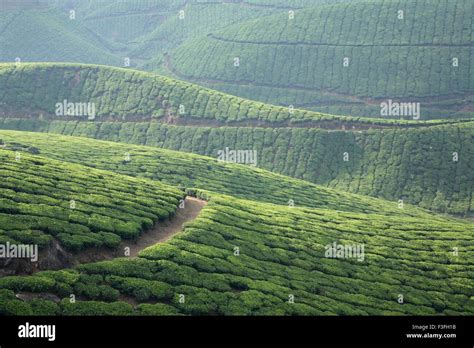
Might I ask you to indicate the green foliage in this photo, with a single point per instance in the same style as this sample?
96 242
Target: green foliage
300 61
204 173
81 207
250 251
93 308
10 305
282 256
157 309
31 283
37 88
415 165
142 289
44 307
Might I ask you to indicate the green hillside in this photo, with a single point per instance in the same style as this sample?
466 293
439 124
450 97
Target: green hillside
430 167
34 90
344 59
197 19
236 158
192 20
47 34
246 258
42 199
124 24
206 174
239 256
113 33
414 161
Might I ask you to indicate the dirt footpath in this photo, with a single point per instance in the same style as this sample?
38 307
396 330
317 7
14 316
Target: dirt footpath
163 231
55 257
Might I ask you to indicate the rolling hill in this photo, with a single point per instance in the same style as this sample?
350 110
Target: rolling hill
34 90
203 176
196 19
246 258
414 161
430 167
43 199
343 59
238 257
115 33
246 168
108 32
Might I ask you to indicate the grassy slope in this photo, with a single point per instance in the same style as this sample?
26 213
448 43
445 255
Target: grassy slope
281 253
417 66
199 19
415 165
108 32
121 94
36 196
49 35
391 164
204 173
203 18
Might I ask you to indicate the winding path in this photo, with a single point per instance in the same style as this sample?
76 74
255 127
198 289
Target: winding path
163 231
55 257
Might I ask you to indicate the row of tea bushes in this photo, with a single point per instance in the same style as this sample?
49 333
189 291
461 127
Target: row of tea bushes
81 207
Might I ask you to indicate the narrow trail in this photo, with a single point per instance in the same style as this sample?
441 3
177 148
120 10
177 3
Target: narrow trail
163 231
160 233
55 257
316 44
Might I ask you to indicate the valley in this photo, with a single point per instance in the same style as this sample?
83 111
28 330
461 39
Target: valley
237 158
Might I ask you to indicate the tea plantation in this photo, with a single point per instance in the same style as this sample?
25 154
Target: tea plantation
125 94
246 258
49 35
126 32
42 199
431 167
344 58
113 114
202 173
414 161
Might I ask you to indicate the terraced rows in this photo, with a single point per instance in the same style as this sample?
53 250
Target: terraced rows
192 20
245 258
334 25
415 165
340 53
34 90
42 199
197 172
199 19
261 244
111 32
